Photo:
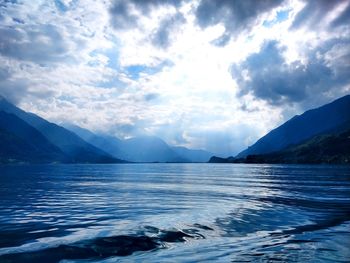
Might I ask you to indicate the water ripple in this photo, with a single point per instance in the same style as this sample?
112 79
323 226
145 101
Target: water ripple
174 212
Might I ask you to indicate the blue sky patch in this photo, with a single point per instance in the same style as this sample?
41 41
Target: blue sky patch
280 17
134 71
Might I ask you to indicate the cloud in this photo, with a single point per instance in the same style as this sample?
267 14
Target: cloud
203 74
162 36
159 20
121 15
39 46
127 130
126 14
151 96
222 40
11 90
236 16
269 77
322 13
343 18
16 86
39 43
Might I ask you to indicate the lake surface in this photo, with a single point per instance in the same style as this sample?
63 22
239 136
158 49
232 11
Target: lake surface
174 213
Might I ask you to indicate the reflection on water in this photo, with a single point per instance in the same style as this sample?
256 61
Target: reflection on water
174 213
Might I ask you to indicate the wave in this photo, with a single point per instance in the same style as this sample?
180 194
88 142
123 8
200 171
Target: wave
104 247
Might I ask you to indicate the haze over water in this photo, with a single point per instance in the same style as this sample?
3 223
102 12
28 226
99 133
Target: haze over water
174 213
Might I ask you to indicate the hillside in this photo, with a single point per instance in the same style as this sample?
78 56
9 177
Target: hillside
76 149
20 142
192 155
325 119
327 148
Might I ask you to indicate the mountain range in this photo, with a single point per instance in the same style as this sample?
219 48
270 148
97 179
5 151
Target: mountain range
30 138
317 136
142 148
26 137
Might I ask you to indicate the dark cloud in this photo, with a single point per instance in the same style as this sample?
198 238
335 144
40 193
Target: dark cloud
39 43
248 108
236 15
267 76
4 3
151 96
222 40
162 37
146 5
314 12
343 18
61 6
121 15
122 12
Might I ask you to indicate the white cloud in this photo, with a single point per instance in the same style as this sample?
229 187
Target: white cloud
119 81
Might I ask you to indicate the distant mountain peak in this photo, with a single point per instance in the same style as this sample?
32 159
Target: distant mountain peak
145 148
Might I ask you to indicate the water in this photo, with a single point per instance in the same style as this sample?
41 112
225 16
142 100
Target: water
174 213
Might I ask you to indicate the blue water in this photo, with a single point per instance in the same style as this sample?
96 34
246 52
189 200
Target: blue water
174 213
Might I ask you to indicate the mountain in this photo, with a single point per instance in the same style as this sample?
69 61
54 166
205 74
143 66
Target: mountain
326 148
20 142
334 116
216 159
109 144
140 149
149 149
75 148
196 156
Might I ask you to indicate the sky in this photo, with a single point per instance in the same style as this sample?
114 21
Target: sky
213 75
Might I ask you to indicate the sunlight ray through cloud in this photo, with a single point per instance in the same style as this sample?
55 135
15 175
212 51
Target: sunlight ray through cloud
195 73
